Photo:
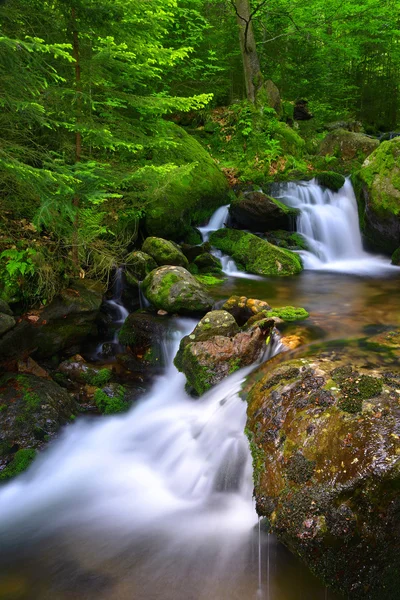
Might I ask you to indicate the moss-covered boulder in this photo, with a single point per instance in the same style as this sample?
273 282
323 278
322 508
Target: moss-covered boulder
62 325
325 437
217 347
286 239
348 145
32 409
329 179
187 189
164 252
140 264
256 255
258 212
174 289
207 263
78 370
396 257
143 333
377 186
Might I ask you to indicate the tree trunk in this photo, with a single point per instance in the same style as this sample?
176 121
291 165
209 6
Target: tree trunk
251 64
78 135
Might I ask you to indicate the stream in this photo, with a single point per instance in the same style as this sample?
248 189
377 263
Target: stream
156 504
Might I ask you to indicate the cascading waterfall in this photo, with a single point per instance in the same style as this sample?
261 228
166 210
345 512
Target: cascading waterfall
219 220
118 311
174 475
329 222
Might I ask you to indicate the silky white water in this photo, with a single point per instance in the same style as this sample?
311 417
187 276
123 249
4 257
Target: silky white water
219 220
174 474
329 222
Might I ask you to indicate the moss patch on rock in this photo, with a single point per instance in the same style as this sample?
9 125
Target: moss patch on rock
164 252
256 255
20 462
329 179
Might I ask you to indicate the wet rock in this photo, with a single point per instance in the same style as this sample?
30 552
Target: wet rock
217 348
207 263
242 308
30 367
78 370
144 333
164 252
256 255
174 289
325 436
286 239
64 323
140 264
258 212
32 409
377 186
329 179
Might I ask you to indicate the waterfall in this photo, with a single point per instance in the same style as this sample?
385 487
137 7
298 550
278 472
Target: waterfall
173 474
218 220
329 223
118 312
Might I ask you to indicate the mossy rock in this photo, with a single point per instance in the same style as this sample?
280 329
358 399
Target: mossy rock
289 313
256 255
111 399
216 348
348 146
189 193
258 212
325 439
329 179
19 463
207 263
139 265
396 257
377 186
32 410
287 239
174 289
164 252
7 322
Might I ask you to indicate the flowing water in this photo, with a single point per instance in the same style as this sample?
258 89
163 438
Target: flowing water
156 504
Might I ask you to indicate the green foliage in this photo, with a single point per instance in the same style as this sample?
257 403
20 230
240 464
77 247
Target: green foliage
99 378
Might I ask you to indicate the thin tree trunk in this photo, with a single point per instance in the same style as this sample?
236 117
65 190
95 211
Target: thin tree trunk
78 135
251 64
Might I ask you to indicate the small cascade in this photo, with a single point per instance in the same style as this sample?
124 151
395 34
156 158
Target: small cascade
219 220
172 479
329 223
118 312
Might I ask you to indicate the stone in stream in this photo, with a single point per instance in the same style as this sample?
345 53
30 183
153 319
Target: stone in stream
32 410
258 212
164 252
218 347
175 290
60 326
348 145
256 255
324 432
140 264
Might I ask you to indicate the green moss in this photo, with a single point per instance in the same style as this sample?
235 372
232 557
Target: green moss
258 455
109 405
289 313
355 389
396 257
209 279
198 376
331 180
258 256
31 400
21 461
98 378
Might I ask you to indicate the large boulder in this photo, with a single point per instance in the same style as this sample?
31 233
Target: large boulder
256 255
258 212
377 186
325 437
60 326
174 289
143 333
32 409
217 347
184 193
348 145
164 252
